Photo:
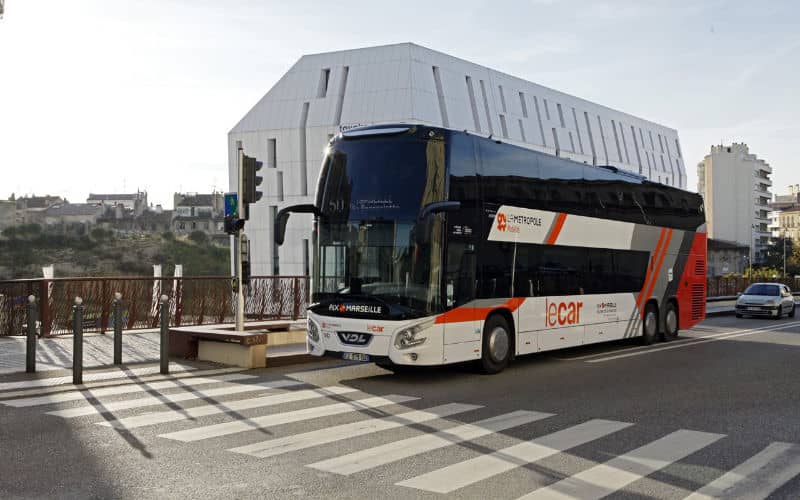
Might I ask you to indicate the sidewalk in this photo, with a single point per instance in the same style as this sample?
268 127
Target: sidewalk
55 353
138 346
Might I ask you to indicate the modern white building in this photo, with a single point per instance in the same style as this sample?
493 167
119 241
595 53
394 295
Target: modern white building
322 94
735 186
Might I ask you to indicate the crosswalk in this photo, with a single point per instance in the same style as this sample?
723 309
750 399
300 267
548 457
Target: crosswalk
249 413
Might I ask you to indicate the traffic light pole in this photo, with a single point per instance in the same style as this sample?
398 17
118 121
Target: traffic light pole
238 250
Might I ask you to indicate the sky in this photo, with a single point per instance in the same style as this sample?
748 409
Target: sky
112 95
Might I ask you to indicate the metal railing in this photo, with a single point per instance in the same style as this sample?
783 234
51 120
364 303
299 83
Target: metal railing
729 287
194 301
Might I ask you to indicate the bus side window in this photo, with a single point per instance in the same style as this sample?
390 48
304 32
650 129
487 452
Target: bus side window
460 273
495 269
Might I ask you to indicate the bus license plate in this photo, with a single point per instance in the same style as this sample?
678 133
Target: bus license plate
355 356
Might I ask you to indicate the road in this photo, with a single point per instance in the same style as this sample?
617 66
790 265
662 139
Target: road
715 411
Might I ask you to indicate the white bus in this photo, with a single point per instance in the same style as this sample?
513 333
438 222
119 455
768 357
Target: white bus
434 246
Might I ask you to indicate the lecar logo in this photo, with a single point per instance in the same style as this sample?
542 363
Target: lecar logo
501 221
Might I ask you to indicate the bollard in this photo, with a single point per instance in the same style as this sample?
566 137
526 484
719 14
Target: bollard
30 348
117 328
164 335
77 341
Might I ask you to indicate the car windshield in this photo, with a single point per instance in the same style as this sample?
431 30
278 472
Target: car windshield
770 290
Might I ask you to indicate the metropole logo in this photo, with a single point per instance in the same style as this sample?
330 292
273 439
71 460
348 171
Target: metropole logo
501 221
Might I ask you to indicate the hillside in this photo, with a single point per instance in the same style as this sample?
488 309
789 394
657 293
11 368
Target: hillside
25 249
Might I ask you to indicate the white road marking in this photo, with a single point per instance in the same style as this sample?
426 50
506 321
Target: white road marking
604 479
94 409
249 424
702 340
397 450
125 389
215 409
328 435
93 376
757 477
449 479
68 387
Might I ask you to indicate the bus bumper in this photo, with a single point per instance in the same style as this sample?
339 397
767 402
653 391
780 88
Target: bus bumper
329 337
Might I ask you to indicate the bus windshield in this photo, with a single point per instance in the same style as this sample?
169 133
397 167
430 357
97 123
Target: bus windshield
370 241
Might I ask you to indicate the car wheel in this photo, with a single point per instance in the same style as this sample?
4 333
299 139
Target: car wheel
670 322
496 345
650 325
738 315
791 313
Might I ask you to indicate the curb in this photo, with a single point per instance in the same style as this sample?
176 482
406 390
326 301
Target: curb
724 312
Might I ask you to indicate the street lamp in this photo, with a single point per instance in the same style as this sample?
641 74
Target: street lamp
752 244
783 234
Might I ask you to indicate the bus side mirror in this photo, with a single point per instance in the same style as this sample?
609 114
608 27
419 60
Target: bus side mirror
421 228
282 218
437 207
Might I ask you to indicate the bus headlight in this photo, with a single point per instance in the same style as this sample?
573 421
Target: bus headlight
409 336
313 331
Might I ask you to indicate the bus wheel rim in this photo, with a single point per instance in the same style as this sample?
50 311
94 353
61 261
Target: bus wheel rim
672 322
650 323
498 344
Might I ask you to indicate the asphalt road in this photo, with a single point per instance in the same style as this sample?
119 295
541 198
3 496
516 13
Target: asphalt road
717 408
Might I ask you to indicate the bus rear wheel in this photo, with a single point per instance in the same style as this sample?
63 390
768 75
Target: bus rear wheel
496 348
650 324
670 322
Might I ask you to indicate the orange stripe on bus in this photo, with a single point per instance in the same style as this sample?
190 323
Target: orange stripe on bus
559 223
660 263
464 314
650 267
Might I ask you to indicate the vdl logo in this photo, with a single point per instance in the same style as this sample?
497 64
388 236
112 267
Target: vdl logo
501 221
354 338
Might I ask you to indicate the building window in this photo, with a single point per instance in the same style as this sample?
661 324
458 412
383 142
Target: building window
502 98
546 110
324 77
560 115
272 153
504 126
523 104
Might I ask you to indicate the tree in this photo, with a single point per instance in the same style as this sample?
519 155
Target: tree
198 237
773 255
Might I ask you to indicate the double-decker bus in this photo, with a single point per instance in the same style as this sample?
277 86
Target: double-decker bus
434 246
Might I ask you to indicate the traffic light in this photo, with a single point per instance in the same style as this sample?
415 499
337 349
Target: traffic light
251 180
233 224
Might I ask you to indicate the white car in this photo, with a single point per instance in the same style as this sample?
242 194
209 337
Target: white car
770 300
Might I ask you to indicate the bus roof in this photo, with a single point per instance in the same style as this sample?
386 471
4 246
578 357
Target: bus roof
605 172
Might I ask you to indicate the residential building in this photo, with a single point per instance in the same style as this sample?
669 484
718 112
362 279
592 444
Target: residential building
8 213
154 220
323 94
134 202
70 217
200 212
735 186
725 257
30 208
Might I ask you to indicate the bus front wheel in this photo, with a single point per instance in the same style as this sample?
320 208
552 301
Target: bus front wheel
496 348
